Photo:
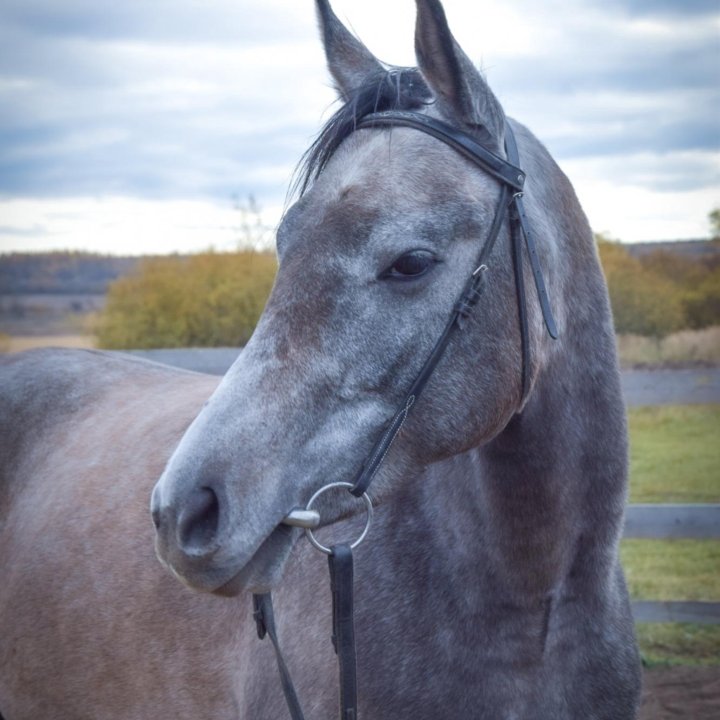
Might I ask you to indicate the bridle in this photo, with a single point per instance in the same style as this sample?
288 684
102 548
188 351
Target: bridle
512 180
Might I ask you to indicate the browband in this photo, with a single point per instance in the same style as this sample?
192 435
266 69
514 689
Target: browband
493 164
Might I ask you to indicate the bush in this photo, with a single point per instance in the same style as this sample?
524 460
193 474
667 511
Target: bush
699 348
644 302
215 299
205 300
702 303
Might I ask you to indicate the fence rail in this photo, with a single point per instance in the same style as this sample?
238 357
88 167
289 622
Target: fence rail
704 613
674 521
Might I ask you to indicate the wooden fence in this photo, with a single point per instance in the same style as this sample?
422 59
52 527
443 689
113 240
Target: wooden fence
674 521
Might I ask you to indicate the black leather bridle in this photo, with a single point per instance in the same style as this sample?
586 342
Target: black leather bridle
512 180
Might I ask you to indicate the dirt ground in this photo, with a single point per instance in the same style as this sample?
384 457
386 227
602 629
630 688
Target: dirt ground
681 692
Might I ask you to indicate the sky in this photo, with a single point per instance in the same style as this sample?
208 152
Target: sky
138 127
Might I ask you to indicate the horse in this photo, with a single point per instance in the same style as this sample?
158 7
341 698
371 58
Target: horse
489 585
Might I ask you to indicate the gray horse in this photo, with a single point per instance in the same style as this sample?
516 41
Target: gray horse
489 586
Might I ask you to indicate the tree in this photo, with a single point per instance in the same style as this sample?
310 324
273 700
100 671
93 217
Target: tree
643 302
714 217
209 299
697 283
701 303
206 300
252 232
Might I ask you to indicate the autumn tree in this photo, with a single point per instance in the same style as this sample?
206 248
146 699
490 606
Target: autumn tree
714 218
210 299
643 301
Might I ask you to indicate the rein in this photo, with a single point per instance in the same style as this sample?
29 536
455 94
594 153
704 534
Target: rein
340 559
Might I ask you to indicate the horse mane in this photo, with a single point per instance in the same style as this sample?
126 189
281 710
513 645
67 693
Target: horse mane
393 89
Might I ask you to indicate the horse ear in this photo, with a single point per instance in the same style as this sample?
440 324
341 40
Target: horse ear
457 84
349 61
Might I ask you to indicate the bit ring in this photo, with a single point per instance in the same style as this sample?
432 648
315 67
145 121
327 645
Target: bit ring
368 507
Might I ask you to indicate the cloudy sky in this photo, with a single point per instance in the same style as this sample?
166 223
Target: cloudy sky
134 126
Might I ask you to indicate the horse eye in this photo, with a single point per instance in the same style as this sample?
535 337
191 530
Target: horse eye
410 265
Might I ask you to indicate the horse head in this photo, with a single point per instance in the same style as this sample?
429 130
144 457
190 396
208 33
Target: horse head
372 259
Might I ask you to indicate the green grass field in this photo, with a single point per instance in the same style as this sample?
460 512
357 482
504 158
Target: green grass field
675 458
678 644
672 569
675 454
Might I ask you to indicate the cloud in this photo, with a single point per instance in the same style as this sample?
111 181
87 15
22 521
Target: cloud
668 214
671 8
86 117
613 86
681 171
122 225
233 22
34 231
180 101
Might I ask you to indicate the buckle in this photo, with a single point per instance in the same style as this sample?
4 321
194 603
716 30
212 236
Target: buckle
259 615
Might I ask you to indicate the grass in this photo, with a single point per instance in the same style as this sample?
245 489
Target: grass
678 643
675 454
682 349
672 569
675 457
17 343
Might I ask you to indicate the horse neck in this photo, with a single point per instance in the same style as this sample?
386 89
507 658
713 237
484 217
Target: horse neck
543 501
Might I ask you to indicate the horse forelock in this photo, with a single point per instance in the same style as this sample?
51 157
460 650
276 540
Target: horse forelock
394 89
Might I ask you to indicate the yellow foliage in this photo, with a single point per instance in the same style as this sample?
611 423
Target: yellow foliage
702 301
644 302
205 300
215 299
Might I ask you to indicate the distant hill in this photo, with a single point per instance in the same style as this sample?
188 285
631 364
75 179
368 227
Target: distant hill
71 273
693 249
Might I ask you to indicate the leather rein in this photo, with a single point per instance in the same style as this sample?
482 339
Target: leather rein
512 180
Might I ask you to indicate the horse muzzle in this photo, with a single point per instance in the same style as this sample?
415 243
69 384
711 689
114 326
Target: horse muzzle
195 540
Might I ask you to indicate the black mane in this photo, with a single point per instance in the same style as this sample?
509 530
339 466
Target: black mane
396 89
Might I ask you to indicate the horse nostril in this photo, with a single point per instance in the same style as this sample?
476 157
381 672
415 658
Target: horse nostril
199 522
155 513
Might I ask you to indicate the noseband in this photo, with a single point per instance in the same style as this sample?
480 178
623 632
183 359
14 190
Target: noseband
512 180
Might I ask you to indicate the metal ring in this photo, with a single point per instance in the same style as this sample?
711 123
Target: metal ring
368 508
